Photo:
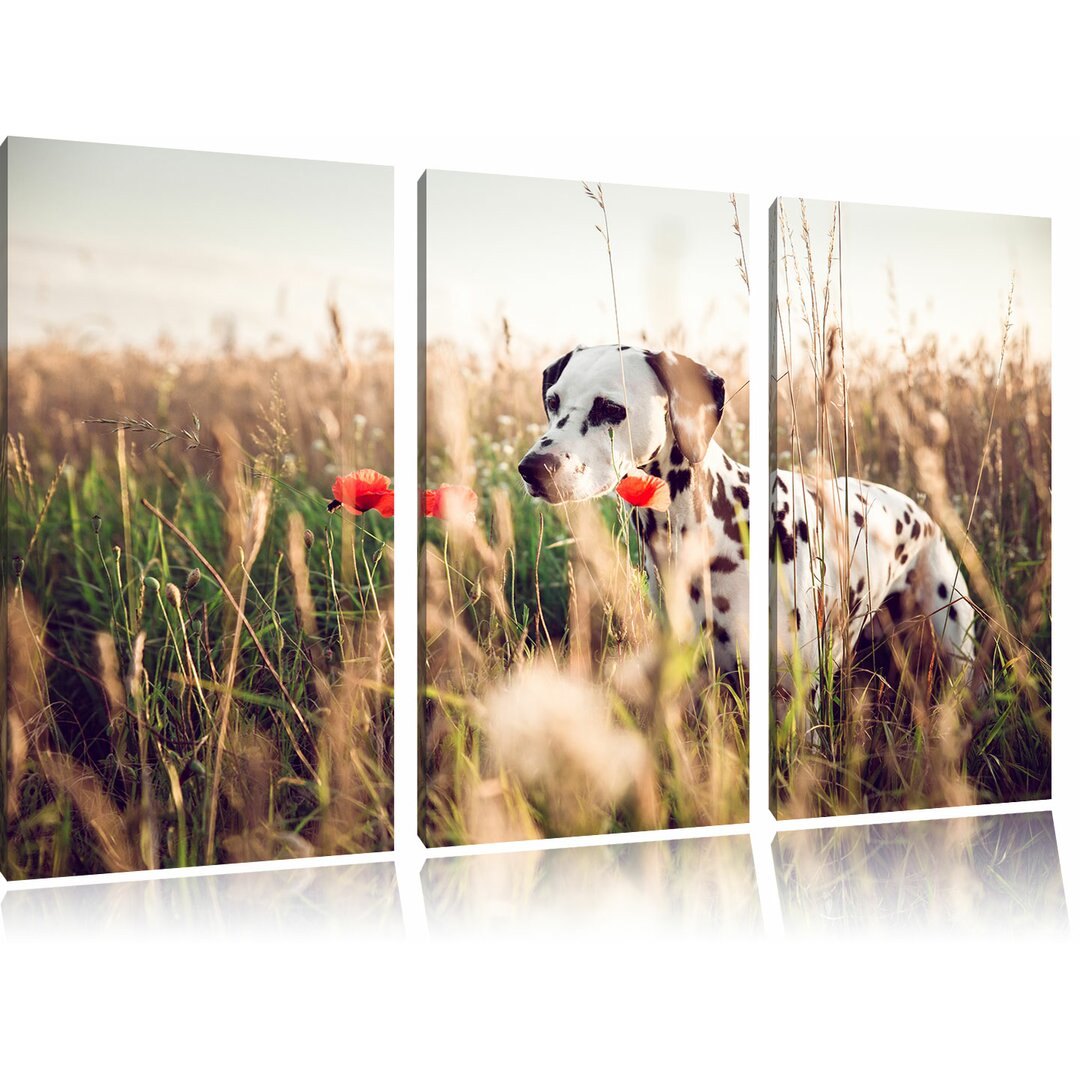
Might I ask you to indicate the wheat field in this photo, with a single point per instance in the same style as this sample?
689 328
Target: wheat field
200 656
965 431
556 702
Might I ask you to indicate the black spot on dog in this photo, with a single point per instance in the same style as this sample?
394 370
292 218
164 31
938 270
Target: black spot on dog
860 498
904 559
676 455
722 636
943 591
899 527
907 517
781 513
605 412
562 422
545 442
695 592
723 510
742 496
722 603
551 375
778 482
859 585
859 520
899 550
679 480
916 530
649 529
802 531
744 476
720 564
952 613
781 540
727 464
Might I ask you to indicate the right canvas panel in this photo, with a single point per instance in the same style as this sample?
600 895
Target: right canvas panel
910 508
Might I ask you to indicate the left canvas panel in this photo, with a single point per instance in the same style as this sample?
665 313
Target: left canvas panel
197 516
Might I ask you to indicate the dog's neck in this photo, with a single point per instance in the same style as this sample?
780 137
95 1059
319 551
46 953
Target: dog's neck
709 490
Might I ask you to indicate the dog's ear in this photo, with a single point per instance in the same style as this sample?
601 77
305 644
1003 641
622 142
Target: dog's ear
695 401
552 375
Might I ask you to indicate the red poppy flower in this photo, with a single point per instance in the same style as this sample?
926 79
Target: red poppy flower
363 490
455 504
644 491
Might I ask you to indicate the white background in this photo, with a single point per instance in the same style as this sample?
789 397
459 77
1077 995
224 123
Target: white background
910 104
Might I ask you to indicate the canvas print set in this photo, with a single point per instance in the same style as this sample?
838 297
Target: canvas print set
198 509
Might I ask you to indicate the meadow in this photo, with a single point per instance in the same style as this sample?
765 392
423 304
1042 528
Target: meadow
966 432
555 699
199 655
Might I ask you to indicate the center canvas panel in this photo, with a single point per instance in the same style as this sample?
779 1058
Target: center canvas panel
584 574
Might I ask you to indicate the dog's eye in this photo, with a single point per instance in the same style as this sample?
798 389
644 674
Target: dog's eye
605 412
552 403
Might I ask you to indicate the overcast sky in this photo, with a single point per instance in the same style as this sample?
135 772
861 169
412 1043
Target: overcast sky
118 245
528 249
951 273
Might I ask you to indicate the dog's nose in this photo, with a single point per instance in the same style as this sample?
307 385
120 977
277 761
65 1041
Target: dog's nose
537 469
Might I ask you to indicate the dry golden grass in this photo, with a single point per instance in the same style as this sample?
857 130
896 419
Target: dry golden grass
968 436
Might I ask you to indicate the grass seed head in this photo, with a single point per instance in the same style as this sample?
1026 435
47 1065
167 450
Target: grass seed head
554 734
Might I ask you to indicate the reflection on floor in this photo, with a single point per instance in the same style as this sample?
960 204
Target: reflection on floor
339 900
691 885
989 874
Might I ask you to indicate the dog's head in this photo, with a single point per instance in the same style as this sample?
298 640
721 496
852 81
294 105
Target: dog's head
612 409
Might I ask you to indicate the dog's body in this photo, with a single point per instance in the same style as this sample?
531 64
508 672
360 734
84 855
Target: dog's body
614 410
855 561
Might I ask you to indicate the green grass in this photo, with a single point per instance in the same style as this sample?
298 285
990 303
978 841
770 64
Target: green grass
137 737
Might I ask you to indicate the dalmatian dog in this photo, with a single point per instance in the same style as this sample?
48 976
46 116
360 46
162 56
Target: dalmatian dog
854 562
613 410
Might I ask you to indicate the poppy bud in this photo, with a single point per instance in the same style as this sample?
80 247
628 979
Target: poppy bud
309 538
151 583
196 628
193 579
172 593
95 523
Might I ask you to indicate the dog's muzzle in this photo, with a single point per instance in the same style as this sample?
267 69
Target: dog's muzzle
538 471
